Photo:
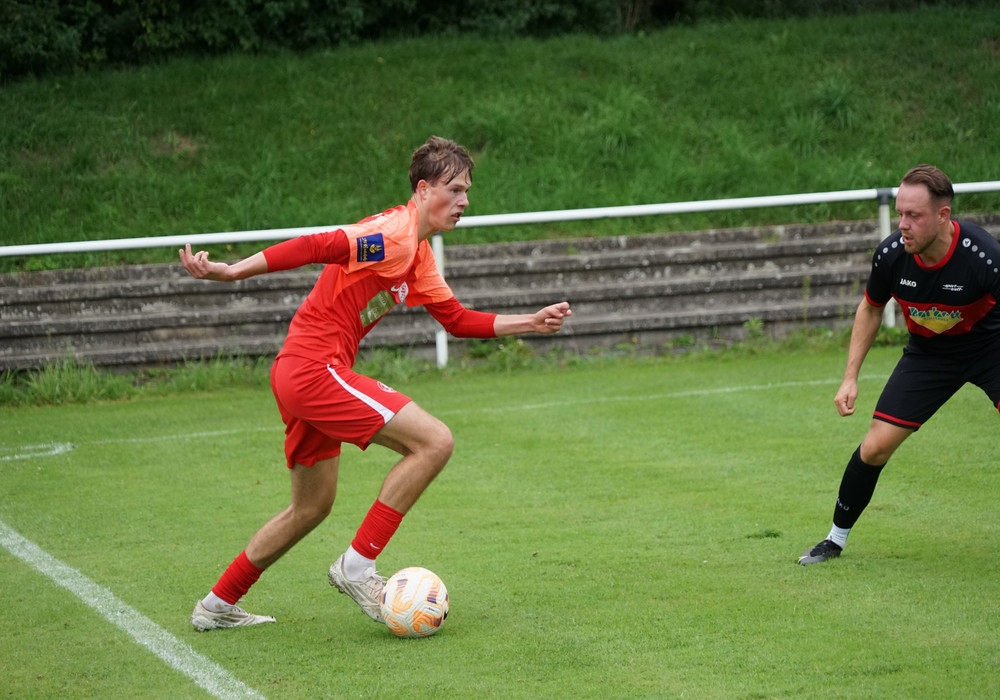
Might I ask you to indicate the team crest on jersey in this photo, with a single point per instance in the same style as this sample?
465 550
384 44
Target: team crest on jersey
371 248
401 291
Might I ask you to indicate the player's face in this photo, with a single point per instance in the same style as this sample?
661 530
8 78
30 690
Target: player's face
920 222
445 202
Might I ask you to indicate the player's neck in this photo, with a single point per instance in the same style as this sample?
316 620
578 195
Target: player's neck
424 228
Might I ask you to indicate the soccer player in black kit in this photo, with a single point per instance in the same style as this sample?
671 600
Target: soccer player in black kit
946 277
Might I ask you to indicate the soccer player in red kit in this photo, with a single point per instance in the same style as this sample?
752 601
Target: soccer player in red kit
371 267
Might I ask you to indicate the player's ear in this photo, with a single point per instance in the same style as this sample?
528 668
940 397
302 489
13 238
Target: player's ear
423 189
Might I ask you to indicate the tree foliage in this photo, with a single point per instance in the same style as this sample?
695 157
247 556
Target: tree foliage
40 37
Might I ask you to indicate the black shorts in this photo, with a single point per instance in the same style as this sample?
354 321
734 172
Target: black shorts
921 383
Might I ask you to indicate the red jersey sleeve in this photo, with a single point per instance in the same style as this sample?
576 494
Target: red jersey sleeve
460 321
332 247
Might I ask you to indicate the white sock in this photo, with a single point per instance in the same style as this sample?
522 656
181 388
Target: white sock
355 564
214 603
838 535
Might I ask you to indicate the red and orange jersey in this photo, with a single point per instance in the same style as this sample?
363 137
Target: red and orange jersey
371 267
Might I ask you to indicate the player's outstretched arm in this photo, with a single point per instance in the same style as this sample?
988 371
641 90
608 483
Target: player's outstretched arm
545 321
200 267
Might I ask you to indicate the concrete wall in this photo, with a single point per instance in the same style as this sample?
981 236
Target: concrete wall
650 291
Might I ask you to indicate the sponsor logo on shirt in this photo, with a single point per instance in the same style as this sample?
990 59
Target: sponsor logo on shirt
935 319
952 287
377 307
371 248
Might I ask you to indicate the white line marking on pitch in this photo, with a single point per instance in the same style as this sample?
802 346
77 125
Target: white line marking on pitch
651 397
203 671
31 451
200 435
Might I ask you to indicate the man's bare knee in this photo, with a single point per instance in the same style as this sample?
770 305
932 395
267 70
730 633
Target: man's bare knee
309 515
881 442
443 444
413 431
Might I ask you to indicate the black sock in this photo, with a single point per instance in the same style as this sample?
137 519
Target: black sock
856 489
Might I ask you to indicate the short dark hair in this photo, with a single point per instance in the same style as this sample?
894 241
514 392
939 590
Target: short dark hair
439 160
936 182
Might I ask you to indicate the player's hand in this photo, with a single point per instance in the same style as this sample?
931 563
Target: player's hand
200 267
846 396
550 319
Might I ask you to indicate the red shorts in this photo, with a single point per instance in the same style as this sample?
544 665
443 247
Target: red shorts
326 405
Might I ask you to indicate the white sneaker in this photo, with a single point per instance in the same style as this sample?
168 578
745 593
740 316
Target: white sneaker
367 592
204 619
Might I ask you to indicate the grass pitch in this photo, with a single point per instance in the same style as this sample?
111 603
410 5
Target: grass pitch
625 531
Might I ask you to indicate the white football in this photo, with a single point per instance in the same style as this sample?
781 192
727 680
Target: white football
414 602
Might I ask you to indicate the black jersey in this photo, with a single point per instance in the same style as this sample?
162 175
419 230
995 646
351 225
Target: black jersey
950 307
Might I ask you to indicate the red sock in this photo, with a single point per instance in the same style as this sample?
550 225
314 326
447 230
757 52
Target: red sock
237 579
376 530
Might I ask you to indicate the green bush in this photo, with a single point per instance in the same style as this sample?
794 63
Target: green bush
57 36
53 36
33 39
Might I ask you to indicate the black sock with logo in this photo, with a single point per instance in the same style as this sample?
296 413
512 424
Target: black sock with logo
856 489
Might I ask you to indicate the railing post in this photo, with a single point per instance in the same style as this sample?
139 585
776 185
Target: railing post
441 336
884 229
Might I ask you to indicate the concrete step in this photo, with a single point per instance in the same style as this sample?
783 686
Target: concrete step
249 315
653 289
580 334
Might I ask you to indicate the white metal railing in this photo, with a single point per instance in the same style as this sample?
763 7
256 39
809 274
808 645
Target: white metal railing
881 195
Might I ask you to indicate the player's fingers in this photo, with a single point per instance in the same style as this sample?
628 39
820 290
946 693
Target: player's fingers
557 311
843 404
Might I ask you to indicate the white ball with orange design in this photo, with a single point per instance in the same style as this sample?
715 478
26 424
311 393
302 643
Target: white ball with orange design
414 602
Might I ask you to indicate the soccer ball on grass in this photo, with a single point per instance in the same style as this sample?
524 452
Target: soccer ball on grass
414 602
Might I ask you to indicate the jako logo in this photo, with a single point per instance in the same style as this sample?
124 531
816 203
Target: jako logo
908 283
